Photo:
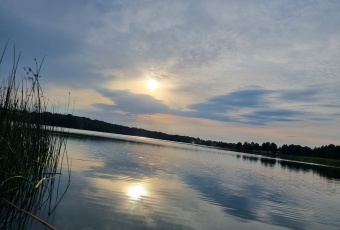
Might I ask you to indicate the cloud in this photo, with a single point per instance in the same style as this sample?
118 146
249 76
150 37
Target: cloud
251 106
246 106
306 95
128 102
274 115
60 31
216 39
239 99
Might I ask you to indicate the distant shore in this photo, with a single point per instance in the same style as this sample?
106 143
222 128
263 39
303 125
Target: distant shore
302 159
325 155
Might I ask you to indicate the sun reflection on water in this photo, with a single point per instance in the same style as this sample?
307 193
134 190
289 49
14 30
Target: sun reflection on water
136 192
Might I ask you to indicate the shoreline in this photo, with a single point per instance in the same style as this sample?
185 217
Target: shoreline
301 159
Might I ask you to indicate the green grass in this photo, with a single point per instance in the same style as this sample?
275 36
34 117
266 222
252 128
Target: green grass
307 159
31 156
314 160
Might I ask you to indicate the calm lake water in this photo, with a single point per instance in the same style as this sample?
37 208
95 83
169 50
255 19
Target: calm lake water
124 182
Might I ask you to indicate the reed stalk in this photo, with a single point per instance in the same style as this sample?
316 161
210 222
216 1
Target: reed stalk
31 155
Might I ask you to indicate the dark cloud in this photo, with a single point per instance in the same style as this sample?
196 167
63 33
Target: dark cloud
262 111
58 33
36 35
219 108
267 116
299 95
132 103
206 115
239 99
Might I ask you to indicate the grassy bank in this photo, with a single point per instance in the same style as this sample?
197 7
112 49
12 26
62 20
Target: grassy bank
31 156
306 159
314 160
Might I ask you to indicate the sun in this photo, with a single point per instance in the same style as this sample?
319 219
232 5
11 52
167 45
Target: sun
136 192
152 84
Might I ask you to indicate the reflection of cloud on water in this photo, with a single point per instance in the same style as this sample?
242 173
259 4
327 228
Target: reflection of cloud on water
167 204
249 203
213 192
104 157
82 164
125 202
121 171
79 160
182 189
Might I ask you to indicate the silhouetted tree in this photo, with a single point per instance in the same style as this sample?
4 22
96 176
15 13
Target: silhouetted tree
266 146
273 148
239 146
284 149
247 147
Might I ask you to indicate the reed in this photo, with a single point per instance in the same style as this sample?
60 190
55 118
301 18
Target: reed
31 155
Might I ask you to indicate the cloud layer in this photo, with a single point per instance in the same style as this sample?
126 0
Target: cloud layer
250 63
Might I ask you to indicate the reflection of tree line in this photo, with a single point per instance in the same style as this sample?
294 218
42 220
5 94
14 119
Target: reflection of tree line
250 158
270 162
327 172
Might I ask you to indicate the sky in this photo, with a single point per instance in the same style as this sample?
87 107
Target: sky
224 70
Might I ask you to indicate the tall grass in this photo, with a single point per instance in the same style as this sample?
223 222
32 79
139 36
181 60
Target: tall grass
31 156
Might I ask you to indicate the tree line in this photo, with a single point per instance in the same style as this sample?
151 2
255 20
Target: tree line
70 121
326 151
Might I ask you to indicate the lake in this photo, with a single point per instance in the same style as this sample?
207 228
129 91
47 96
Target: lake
125 182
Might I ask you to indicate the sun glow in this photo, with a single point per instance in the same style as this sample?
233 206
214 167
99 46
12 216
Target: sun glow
136 192
152 84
